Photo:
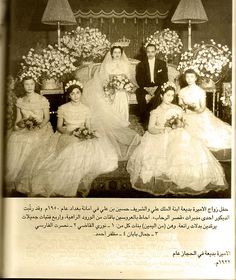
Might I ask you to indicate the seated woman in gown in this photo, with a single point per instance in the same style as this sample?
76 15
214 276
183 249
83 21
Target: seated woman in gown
171 160
215 134
32 129
71 160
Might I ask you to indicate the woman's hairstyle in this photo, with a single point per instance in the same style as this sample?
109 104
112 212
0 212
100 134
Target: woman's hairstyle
164 88
26 78
190 71
151 45
116 47
72 87
168 86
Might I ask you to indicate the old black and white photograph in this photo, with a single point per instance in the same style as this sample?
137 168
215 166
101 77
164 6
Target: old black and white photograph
128 102
118 130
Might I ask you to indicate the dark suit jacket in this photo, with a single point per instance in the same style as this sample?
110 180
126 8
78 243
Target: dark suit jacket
143 76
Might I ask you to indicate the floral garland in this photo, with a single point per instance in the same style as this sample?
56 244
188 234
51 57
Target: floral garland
168 84
167 42
211 60
73 83
86 43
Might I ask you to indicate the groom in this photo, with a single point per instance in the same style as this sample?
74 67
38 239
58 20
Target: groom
151 73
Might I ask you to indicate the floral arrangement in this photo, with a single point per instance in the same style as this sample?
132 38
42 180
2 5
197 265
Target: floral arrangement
86 43
226 98
49 63
116 83
167 42
72 83
28 123
83 133
211 60
175 122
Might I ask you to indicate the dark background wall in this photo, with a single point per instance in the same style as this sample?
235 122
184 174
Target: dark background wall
26 29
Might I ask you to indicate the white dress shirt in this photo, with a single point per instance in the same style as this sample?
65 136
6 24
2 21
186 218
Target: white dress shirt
151 63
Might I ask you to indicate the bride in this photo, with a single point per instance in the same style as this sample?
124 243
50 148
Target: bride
112 119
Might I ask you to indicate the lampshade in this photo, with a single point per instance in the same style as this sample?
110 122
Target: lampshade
58 11
189 10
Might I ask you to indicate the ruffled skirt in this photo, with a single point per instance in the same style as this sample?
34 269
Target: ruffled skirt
67 167
214 133
174 162
20 146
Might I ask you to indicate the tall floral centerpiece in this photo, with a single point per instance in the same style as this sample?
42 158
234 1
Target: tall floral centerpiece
86 44
48 65
212 60
167 42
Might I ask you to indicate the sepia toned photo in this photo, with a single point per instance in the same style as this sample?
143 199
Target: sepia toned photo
118 155
128 102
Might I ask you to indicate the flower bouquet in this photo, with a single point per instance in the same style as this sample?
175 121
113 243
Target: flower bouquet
87 44
116 83
83 133
167 42
212 60
29 123
175 122
191 107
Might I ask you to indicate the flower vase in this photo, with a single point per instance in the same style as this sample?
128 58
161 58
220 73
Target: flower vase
51 84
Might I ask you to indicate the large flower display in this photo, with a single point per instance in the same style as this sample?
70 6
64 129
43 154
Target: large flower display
86 43
50 63
212 60
53 62
167 42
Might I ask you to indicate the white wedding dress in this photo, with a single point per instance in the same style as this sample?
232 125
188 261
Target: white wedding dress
111 119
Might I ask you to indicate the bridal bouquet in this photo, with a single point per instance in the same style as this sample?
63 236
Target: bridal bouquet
29 123
48 63
175 122
167 42
117 83
83 133
86 43
211 60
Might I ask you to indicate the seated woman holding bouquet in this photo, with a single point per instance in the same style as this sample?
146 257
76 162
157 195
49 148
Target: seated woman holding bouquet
75 156
215 134
171 160
32 129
